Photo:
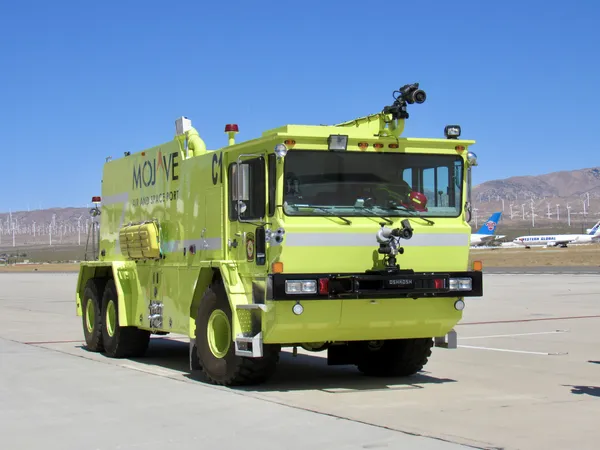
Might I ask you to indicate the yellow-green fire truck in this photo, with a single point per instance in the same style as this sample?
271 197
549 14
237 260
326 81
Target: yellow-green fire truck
348 239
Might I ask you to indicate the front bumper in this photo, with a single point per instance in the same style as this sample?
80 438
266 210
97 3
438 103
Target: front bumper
375 285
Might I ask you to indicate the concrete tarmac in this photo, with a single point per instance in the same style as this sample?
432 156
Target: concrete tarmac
573 270
525 376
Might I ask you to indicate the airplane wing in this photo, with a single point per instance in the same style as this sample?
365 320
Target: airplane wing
485 239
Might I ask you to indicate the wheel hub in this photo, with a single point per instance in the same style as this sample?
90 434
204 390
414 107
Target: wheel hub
90 314
111 318
219 333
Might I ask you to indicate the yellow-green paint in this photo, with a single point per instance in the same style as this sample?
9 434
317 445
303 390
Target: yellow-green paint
111 318
348 320
186 192
90 315
218 333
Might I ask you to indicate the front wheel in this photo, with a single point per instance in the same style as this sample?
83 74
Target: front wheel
120 342
400 357
216 349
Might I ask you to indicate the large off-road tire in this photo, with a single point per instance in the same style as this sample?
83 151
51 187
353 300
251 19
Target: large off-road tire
120 342
91 316
401 357
216 349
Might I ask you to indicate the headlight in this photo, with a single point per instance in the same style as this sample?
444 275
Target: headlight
461 284
300 286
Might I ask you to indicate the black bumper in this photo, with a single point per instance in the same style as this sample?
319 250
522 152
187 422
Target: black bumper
406 284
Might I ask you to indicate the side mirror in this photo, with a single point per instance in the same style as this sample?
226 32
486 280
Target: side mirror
241 187
241 182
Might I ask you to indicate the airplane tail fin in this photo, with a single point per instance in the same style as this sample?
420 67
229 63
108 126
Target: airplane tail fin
489 227
595 230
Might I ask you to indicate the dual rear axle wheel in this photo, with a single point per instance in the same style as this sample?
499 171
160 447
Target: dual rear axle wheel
101 323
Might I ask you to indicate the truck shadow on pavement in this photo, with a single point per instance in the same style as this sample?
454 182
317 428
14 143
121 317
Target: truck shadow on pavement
592 391
294 373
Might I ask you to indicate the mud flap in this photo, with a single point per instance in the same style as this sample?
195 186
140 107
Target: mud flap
340 355
449 341
194 361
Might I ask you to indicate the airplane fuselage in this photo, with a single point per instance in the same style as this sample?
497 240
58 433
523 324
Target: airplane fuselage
555 239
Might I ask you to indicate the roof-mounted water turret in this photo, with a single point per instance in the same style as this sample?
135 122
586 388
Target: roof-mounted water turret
390 121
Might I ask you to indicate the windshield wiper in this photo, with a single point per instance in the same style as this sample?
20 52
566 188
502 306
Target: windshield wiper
322 208
387 219
333 214
412 212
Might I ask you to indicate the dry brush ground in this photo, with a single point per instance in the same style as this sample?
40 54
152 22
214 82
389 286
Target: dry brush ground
582 255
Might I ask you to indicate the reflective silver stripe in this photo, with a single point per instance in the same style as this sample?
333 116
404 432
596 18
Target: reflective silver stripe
292 239
201 244
116 198
123 197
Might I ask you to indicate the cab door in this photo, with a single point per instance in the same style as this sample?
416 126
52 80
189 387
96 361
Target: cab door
247 193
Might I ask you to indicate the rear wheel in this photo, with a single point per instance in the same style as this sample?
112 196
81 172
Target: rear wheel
120 342
401 357
92 314
216 349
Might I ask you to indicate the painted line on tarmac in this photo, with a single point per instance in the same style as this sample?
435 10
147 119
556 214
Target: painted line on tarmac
539 273
513 335
492 322
52 342
458 440
512 351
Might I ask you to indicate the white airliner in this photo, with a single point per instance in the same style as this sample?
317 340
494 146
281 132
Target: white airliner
551 240
486 233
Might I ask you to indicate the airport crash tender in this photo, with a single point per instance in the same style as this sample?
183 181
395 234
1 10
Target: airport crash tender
347 239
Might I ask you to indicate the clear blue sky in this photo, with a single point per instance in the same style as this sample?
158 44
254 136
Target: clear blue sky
83 80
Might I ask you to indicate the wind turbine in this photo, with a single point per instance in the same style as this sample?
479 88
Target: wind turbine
79 228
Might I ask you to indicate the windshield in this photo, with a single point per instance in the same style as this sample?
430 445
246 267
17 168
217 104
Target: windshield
371 184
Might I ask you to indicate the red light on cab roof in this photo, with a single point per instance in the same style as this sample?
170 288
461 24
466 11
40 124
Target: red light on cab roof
96 199
231 127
